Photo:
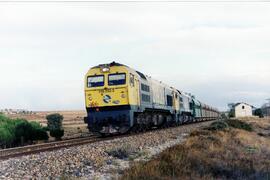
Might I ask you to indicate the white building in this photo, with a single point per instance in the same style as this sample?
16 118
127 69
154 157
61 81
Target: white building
242 110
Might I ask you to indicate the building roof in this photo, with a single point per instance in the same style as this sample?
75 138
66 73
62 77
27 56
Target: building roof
237 104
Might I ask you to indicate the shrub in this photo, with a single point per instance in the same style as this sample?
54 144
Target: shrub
55 125
18 131
54 121
2 117
38 132
235 123
6 137
258 112
225 125
224 116
45 128
218 125
57 133
122 152
23 131
231 114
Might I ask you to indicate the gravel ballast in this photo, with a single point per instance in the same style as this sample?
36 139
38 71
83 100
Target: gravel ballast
100 160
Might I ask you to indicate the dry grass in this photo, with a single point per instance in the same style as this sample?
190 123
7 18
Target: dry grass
261 125
223 154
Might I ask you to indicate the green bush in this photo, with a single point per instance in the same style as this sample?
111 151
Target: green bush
57 133
123 152
231 114
45 128
218 125
225 125
6 138
23 131
258 112
54 124
224 116
54 121
17 131
235 123
2 117
38 132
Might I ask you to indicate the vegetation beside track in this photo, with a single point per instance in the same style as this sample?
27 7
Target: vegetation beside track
230 149
15 132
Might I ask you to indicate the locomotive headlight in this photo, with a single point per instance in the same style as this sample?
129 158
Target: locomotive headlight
90 97
105 69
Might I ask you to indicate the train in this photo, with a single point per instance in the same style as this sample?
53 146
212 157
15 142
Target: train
120 99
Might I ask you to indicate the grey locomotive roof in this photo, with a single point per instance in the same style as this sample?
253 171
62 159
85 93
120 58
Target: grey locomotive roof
143 76
110 64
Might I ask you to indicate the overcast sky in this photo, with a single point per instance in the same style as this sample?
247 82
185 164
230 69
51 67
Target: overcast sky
218 51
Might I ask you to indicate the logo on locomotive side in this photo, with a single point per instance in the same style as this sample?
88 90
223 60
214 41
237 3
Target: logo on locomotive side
107 98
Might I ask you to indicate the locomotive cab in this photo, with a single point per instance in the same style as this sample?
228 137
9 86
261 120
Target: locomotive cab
109 92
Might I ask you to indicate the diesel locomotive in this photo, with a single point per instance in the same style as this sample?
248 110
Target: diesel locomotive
120 99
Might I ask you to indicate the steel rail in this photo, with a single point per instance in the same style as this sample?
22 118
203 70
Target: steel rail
33 149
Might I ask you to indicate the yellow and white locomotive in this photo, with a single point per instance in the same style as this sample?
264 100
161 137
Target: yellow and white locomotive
119 99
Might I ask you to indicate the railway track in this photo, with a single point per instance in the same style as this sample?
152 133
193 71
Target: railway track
33 149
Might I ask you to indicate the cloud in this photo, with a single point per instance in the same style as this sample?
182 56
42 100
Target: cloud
218 51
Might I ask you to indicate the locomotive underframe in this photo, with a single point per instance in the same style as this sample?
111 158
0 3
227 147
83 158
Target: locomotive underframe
123 119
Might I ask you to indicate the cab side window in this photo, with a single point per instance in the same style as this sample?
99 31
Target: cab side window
131 80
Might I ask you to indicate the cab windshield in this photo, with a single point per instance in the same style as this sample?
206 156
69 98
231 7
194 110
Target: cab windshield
117 79
95 81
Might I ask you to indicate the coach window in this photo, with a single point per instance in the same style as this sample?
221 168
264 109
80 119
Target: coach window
95 81
131 80
117 79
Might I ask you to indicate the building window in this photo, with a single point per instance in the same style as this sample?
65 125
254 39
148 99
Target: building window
243 107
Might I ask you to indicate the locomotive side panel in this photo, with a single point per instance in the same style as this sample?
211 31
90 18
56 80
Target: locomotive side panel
158 94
